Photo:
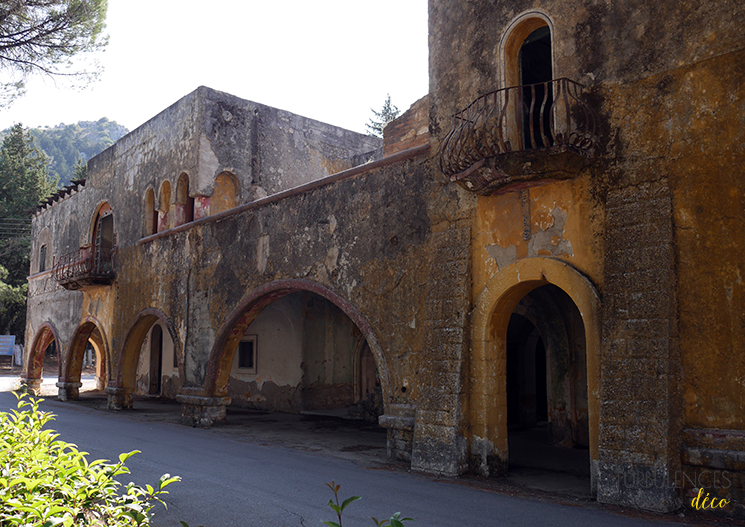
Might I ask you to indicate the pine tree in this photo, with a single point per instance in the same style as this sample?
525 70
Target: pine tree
23 175
388 113
44 36
23 185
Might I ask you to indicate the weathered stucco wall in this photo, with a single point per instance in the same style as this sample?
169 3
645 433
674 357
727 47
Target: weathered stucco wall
651 221
306 351
634 253
279 358
359 245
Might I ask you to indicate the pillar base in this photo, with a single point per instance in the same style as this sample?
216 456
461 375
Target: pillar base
399 420
32 386
68 391
202 411
118 398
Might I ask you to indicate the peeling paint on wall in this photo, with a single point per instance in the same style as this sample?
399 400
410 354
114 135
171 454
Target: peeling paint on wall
549 240
504 256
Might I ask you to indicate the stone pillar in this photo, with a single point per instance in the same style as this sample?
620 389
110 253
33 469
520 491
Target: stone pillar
29 385
440 445
639 451
399 420
68 391
118 398
197 410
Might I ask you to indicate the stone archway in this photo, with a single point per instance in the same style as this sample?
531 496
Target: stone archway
34 364
90 330
493 309
206 405
122 384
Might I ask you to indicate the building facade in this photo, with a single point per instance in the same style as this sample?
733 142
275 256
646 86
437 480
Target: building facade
549 238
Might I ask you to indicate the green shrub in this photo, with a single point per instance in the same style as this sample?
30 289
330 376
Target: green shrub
394 521
47 482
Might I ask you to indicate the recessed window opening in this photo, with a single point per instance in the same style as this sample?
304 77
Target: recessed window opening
162 214
247 354
184 205
43 259
151 215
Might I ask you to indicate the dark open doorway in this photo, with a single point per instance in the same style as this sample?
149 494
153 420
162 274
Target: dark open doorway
537 93
547 410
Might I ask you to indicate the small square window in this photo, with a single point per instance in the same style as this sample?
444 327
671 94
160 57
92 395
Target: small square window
247 354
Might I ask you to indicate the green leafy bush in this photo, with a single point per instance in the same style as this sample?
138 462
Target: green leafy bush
47 482
395 521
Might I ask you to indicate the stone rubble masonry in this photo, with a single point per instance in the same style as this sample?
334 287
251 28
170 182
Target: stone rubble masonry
439 442
409 130
639 420
714 459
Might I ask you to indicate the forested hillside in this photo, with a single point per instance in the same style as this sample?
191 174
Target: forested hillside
65 144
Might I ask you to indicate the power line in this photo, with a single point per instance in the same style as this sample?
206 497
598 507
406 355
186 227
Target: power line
12 228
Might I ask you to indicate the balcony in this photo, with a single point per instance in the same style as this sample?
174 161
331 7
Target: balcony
84 267
520 134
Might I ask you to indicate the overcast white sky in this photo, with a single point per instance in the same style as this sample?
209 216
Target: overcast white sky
330 60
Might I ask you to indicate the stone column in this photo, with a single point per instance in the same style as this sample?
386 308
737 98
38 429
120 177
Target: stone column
198 410
118 398
399 420
440 445
68 391
639 452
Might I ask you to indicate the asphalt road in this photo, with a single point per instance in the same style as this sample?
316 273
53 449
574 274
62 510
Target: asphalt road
233 480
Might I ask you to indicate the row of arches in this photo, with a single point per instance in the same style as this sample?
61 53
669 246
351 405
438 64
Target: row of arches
334 353
168 209
534 355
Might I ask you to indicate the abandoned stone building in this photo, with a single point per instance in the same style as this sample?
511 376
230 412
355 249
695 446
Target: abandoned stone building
550 238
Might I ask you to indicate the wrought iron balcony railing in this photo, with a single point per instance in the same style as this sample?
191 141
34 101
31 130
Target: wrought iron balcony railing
548 115
85 266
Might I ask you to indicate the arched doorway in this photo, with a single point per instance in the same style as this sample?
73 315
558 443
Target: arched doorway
312 339
88 336
102 247
536 74
559 306
149 363
45 342
526 51
547 410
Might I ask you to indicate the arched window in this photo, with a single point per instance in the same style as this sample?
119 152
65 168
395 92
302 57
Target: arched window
184 204
225 194
151 217
45 250
165 205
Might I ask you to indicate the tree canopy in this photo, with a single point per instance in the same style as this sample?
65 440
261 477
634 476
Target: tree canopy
23 185
388 113
67 144
48 36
